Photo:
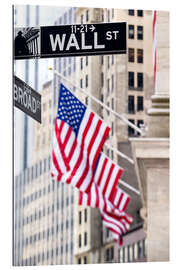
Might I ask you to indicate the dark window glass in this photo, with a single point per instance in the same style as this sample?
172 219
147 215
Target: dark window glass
112 253
86 80
79 217
140 32
112 82
107 254
140 106
81 83
131 54
130 104
87 15
79 260
131 31
107 232
85 215
131 12
86 100
81 63
85 260
81 19
140 13
79 240
102 79
131 131
139 55
140 80
86 60
131 79
85 238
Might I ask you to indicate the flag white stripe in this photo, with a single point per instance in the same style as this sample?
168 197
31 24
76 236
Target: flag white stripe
64 132
97 141
58 155
69 144
111 182
99 168
105 174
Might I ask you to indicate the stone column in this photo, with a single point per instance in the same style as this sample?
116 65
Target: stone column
151 154
158 120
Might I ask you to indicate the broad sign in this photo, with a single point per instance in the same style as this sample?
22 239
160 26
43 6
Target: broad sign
26 99
72 40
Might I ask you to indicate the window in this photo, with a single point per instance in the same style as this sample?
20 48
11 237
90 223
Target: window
86 100
79 240
131 31
81 19
85 238
140 106
81 83
131 79
130 129
108 106
140 32
112 128
139 55
112 82
87 15
108 15
79 260
86 60
107 254
131 12
130 104
107 232
140 80
85 215
81 63
112 62
108 59
140 13
102 79
130 54
112 103
108 85
102 59
85 260
79 217
86 80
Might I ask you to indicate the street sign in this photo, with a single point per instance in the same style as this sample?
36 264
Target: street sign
72 40
27 99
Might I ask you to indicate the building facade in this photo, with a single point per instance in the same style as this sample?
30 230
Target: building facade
50 227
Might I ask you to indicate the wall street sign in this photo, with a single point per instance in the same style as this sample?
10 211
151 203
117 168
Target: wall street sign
73 40
26 99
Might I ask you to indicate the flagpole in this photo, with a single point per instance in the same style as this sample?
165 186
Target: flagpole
119 153
124 119
129 187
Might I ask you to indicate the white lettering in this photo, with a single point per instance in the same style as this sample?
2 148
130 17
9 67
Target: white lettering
96 45
15 93
109 36
57 42
72 42
115 34
33 105
83 45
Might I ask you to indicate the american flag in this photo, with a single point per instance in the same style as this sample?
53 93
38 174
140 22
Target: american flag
107 175
120 199
79 137
114 219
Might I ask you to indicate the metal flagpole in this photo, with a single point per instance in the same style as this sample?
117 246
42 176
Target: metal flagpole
124 119
130 187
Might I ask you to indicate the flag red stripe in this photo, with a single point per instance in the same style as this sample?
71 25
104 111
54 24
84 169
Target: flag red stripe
87 168
126 204
102 171
80 158
100 146
112 194
108 179
68 134
56 163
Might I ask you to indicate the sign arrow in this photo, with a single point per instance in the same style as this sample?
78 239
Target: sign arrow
92 28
